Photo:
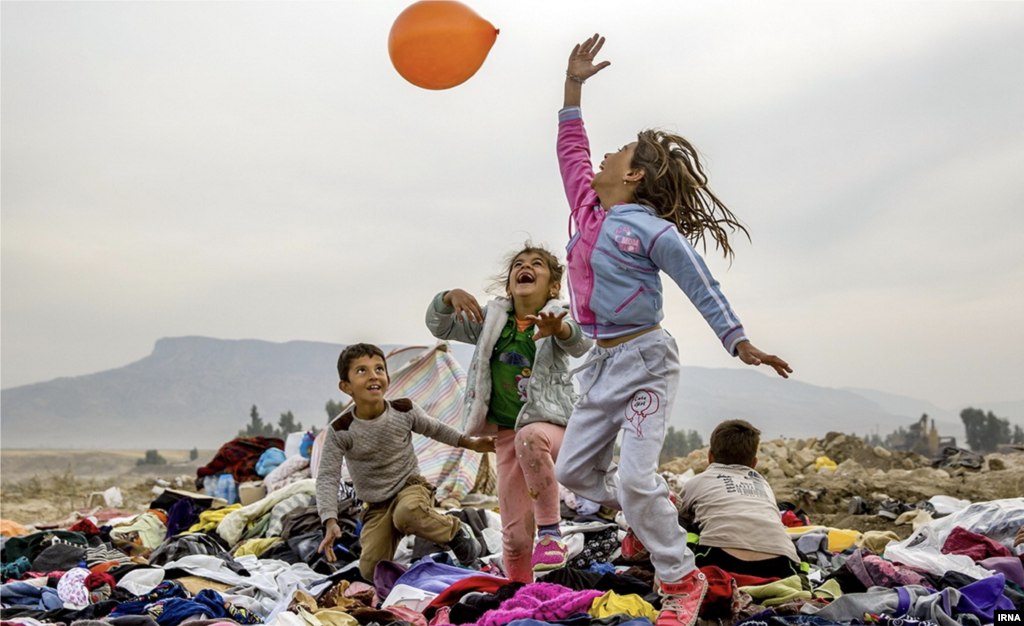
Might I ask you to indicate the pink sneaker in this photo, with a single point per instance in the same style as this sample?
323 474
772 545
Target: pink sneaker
680 602
549 553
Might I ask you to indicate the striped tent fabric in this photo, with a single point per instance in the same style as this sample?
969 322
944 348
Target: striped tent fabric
434 380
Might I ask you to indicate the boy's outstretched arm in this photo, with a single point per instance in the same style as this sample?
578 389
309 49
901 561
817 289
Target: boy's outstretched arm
332 533
327 480
752 356
477 444
581 67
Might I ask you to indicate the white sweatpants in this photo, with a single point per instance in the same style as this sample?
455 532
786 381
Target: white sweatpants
629 387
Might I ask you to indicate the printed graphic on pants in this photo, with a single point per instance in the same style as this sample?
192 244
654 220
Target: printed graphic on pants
643 403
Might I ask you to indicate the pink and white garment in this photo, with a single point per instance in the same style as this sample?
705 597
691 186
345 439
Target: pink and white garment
71 587
293 469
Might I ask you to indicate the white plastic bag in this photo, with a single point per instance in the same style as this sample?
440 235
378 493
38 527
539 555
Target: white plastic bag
292 443
923 550
409 597
998 520
112 498
947 505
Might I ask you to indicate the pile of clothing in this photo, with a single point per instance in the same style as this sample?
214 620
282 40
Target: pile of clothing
190 559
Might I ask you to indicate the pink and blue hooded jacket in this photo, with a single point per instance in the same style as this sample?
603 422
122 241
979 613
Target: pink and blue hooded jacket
616 256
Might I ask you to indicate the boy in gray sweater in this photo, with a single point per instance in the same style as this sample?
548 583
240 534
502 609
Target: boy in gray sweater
375 435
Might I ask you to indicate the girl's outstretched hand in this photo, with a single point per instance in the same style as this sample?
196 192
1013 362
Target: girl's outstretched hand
548 324
581 61
752 356
465 304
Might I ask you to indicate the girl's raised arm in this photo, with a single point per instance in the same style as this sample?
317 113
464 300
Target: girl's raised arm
581 67
573 146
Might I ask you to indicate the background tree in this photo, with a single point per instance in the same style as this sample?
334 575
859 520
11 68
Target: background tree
874 440
193 454
679 443
334 409
286 425
152 458
1018 435
984 431
256 427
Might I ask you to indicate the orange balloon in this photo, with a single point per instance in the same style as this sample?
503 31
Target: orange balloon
438 44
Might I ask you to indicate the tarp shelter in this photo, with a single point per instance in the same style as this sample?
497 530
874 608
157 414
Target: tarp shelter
433 379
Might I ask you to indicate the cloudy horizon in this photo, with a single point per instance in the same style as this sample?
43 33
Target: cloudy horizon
259 170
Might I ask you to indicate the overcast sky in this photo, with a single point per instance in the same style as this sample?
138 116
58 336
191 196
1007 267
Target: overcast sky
238 170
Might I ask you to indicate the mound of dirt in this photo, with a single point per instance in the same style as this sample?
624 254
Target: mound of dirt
46 485
873 473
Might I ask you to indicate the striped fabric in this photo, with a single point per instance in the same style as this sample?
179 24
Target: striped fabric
102 554
434 380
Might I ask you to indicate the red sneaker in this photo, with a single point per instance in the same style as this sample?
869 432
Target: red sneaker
680 602
632 548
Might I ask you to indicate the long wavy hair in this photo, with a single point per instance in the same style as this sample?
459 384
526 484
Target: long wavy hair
675 186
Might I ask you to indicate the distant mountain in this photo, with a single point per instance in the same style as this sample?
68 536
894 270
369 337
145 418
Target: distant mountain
191 391
197 391
778 407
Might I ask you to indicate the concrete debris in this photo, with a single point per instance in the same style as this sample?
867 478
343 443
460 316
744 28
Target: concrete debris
873 473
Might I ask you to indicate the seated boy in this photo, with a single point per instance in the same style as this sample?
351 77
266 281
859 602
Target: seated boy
375 435
735 509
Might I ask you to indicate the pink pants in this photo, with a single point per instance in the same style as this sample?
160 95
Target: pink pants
527 491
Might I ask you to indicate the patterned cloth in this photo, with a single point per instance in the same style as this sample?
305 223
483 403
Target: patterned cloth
284 508
238 457
71 587
435 381
184 545
293 469
597 547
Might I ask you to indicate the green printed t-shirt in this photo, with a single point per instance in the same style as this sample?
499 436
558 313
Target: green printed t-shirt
511 364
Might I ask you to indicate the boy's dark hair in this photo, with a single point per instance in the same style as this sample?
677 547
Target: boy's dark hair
353 352
735 442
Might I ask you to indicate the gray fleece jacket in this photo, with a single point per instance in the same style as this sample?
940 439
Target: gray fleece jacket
550 394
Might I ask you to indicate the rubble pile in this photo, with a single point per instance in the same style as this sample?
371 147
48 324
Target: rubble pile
822 475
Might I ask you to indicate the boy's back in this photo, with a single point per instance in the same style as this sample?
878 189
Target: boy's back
735 509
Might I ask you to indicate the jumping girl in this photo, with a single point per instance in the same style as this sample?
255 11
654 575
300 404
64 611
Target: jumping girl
520 389
640 214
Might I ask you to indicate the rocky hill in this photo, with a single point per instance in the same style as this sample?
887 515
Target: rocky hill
191 391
